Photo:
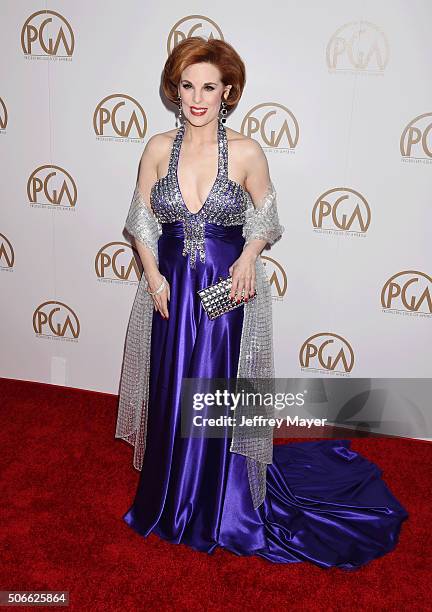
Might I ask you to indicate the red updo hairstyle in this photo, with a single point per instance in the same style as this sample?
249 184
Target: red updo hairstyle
197 49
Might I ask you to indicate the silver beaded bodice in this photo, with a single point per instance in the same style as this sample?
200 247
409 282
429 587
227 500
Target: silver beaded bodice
226 203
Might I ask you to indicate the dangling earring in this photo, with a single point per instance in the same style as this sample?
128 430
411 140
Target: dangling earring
224 111
179 116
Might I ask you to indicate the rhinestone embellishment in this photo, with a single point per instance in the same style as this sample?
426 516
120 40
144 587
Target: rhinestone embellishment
194 239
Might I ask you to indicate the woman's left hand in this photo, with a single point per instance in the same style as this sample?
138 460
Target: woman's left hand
243 276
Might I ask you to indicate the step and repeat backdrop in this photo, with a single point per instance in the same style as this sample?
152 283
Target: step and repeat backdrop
339 96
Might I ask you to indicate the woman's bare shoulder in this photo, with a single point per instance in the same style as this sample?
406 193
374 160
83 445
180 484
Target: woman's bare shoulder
158 144
154 160
243 145
250 157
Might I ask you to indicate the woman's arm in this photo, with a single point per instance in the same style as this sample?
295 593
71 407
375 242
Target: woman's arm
263 228
142 224
257 184
147 176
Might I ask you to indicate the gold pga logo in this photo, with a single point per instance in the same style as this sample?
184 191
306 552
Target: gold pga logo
341 210
3 115
54 319
193 25
408 292
7 254
276 276
115 261
416 138
53 186
119 116
358 46
327 352
47 33
273 125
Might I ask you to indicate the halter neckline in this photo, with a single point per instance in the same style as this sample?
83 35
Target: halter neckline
222 165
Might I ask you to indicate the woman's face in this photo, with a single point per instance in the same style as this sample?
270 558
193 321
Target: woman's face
200 87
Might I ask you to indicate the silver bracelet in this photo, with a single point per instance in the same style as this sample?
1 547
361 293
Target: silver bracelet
160 288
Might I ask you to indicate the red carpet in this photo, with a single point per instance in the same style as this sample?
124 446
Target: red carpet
66 482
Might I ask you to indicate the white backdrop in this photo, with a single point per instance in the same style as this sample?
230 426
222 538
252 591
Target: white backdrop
339 96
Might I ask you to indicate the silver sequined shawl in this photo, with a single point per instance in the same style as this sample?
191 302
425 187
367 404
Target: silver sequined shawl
256 347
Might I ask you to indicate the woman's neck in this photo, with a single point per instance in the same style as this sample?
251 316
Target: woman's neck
198 136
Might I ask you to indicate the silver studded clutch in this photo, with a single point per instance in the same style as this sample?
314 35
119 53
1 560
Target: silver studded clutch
215 298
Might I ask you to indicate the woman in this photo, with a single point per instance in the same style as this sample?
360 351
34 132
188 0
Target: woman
312 501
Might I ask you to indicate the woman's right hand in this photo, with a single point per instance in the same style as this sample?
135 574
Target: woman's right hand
160 300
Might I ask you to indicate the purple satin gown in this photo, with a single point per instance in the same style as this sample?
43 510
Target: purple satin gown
325 503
